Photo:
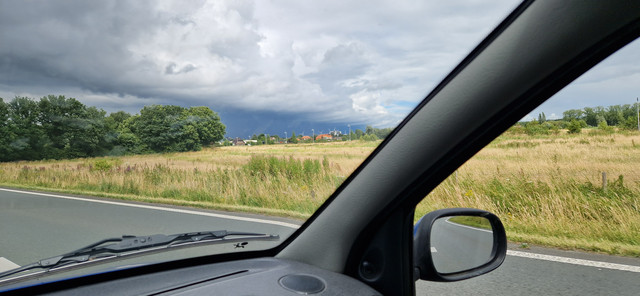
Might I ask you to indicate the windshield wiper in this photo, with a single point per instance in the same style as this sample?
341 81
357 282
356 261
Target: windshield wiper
129 245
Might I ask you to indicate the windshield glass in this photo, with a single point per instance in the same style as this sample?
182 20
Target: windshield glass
142 118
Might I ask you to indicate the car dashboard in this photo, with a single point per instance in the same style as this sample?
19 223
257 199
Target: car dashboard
261 276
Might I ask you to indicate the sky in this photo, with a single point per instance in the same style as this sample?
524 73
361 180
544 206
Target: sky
264 66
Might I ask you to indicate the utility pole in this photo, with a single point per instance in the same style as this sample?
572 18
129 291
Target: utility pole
638 113
285 137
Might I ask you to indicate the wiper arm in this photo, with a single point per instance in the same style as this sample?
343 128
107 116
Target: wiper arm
129 244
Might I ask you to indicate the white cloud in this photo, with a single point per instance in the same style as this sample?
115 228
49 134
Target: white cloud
363 62
367 103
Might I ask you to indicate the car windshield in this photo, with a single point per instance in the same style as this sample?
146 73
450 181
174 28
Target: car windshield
143 118
220 126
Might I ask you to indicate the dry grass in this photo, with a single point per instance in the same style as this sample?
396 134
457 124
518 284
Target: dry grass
215 178
547 189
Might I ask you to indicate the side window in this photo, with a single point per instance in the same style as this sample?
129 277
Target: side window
565 181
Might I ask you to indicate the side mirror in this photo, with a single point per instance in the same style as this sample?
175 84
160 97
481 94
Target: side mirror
457 244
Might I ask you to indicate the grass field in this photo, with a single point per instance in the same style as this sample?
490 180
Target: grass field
546 189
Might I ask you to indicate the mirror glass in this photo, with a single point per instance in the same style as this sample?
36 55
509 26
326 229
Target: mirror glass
460 243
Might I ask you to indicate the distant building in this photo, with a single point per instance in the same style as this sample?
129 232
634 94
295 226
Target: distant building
305 138
238 142
327 137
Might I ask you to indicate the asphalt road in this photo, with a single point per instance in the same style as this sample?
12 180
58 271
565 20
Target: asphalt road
461 247
526 272
34 226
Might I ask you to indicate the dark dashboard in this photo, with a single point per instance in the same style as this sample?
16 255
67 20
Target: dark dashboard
262 276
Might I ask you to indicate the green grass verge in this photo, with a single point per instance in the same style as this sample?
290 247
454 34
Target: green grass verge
165 201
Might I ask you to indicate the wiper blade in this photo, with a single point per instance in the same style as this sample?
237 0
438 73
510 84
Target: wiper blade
129 244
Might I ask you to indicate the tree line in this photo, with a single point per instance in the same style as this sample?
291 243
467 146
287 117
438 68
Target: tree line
369 134
624 117
57 127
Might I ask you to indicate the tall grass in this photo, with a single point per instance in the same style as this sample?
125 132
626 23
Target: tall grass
294 183
546 189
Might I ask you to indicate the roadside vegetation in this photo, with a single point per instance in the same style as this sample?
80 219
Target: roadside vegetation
572 183
289 180
57 127
547 189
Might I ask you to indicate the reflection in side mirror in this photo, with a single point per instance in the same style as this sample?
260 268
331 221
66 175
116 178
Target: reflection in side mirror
456 244
460 243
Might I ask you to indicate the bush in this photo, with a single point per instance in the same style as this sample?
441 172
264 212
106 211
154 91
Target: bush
575 126
604 127
369 138
516 129
102 165
631 123
534 128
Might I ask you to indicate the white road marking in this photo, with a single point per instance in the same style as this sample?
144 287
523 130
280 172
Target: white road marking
590 263
247 219
6 264
466 226
433 250
582 262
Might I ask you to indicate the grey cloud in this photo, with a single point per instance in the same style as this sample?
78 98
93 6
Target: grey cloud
172 69
329 60
344 61
82 46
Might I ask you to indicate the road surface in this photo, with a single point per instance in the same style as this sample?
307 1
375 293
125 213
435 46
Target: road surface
33 226
536 271
38 225
461 247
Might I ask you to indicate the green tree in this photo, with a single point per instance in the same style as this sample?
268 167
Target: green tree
261 139
127 141
630 123
30 136
368 130
7 134
614 115
542 118
293 138
116 119
206 123
359 133
93 137
156 126
590 116
72 129
572 114
173 128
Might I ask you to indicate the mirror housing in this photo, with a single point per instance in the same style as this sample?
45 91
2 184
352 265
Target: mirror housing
426 268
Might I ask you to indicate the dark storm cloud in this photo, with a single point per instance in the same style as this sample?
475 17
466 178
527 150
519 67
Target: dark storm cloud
291 62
